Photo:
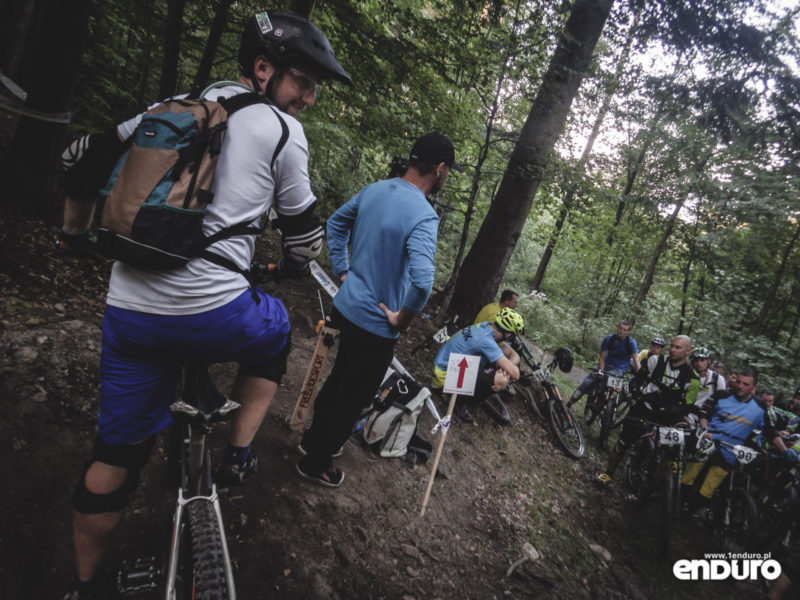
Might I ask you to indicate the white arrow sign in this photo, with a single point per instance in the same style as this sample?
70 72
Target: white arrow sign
462 372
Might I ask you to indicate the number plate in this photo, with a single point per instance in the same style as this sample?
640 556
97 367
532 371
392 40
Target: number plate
541 374
614 382
670 436
744 454
441 335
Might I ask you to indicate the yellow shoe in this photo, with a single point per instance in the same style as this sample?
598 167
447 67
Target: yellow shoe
603 479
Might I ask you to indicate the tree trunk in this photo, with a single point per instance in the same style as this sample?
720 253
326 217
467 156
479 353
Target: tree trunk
487 259
30 172
212 43
761 322
687 273
651 268
16 17
302 7
172 48
580 168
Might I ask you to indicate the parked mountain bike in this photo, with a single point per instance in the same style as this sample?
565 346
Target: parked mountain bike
611 401
540 393
653 469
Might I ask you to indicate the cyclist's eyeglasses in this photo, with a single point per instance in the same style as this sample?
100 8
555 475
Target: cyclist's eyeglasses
303 81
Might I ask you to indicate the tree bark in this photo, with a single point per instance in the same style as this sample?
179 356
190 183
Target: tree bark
487 259
30 172
16 18
687 273
212 43
172 47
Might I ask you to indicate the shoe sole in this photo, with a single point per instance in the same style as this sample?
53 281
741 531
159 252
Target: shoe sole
317 480
303 452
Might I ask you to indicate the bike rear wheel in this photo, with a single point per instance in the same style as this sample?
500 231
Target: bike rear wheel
207 551
565 428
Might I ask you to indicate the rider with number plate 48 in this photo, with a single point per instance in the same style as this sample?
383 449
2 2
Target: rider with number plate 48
668 389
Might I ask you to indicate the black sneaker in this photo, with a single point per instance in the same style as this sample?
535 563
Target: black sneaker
333 477
233 475
464 412
303 452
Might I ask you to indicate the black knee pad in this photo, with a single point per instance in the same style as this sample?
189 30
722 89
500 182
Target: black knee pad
274 368
130 456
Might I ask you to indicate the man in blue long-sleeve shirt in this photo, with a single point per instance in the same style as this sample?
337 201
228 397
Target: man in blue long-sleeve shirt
391 229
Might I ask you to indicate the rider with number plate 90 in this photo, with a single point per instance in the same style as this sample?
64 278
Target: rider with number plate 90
730 416
668 389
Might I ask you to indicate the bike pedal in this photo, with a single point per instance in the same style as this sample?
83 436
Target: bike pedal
138 575
673 466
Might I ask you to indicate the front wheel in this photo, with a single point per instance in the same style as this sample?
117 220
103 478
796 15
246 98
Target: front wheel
623 408
668 495
565 429
744 524
639 469
208 552
590 410
497 409
607 420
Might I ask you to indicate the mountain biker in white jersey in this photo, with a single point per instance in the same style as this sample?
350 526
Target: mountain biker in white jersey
155 321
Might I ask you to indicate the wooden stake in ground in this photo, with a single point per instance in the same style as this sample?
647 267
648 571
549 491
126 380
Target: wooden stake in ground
308 392
445 427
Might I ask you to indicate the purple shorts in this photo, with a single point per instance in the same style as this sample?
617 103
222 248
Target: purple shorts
142 356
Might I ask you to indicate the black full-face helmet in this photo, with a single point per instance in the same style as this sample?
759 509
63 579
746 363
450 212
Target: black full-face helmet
287 40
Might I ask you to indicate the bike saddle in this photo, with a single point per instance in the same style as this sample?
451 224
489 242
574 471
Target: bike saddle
201 401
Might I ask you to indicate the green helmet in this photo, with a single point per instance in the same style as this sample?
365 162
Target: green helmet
701 352
510 320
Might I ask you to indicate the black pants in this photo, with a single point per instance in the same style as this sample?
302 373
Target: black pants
360 365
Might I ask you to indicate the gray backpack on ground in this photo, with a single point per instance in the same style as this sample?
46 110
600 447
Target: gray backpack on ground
392 420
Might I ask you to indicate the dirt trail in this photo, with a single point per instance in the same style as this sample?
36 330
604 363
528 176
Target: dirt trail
506 485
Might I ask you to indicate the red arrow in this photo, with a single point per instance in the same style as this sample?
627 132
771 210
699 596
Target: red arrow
462 367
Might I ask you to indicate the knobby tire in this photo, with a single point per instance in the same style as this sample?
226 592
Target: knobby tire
606 421
208 555
668 495
638 470
497 410
744 519
565 428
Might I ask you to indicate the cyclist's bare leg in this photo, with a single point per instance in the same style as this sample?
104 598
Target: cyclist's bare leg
255 394
92 532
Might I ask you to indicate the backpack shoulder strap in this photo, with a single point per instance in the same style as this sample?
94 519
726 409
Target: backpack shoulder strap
240 101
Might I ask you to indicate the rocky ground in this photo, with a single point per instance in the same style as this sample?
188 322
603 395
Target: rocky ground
505 486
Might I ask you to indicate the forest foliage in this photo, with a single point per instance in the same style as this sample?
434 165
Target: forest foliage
671 197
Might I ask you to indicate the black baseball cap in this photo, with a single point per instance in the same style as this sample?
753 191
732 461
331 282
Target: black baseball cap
435 148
